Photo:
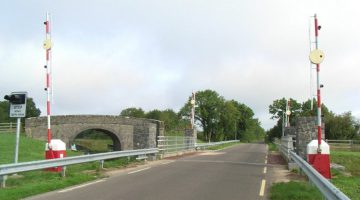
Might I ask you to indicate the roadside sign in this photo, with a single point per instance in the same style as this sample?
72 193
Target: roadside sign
17 110
17 104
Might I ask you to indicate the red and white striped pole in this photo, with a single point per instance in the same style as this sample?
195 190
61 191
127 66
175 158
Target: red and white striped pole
318 85
47 47
318 151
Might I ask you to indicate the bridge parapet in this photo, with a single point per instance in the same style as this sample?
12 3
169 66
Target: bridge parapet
126 133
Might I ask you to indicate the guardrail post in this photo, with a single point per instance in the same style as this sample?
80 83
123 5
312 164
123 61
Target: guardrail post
63 171
102 163
3 181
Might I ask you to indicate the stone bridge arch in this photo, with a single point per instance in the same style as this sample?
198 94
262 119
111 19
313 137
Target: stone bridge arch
109 132
132 133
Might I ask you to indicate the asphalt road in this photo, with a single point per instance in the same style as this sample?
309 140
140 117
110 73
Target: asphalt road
239 172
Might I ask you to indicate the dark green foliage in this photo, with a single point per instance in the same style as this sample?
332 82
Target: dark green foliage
31 110
169 117
343 126
221 119
133 112
217 118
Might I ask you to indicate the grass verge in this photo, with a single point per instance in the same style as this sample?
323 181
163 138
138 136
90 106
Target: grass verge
295 191
272 146
347 181
36 182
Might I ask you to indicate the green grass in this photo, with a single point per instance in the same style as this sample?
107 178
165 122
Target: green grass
272 146
95 145
294 191
347 182
36 182
351 161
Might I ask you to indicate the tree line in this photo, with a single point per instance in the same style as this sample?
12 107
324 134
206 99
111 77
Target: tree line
217 118
337 126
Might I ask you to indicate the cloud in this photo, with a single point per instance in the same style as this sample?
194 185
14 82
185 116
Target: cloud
109 55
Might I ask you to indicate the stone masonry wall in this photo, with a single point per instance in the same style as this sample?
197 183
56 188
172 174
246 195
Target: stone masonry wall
129 133
306 130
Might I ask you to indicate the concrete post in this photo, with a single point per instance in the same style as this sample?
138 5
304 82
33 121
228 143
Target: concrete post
3 181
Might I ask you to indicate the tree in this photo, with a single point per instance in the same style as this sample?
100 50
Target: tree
229 118
253 131
279 106
207 113
133 112
154 114
343 126
306 109
31 109
168 116
4 111
221 119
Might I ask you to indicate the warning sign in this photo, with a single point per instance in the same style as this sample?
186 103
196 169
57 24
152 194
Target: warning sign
17 110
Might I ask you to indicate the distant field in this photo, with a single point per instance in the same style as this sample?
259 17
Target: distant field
98 145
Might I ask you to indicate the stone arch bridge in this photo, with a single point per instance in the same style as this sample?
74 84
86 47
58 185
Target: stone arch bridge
126 133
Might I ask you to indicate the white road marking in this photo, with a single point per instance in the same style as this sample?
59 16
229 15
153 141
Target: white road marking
139 170
262 188
80 186
265 169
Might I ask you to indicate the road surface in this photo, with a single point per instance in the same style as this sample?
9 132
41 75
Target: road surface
239 172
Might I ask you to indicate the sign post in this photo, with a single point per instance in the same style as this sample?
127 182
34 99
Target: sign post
17 102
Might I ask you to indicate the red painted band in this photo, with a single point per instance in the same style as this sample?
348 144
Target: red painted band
49 135
47 26
47 80
47 54
319 135
318 98
48 107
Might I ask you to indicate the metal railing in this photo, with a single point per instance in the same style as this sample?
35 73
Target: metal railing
7 127
352 145
324 185
44 164
173 144
179 144
328 190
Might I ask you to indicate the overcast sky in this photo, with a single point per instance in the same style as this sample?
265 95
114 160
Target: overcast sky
112 54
